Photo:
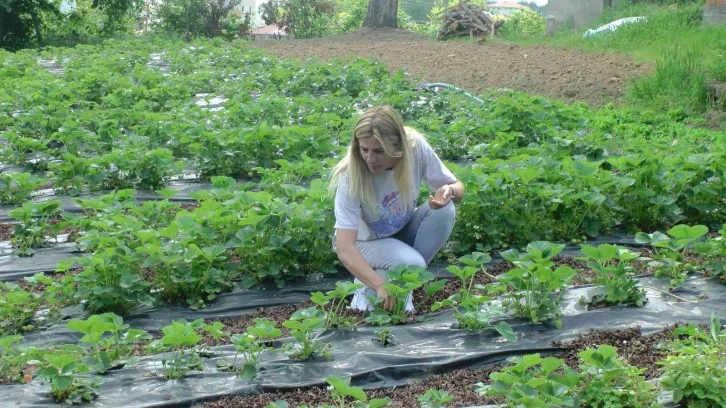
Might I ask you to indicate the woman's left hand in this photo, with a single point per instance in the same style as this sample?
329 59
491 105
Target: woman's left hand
442 197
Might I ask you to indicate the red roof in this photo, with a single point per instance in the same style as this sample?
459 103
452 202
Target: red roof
506 4
268 29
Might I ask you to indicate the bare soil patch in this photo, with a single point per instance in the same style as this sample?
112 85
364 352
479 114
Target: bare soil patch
565 74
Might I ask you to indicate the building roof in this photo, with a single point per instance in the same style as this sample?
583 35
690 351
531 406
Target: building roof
506 4
269 29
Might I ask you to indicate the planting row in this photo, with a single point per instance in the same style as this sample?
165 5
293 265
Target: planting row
602 379
75 371
158 252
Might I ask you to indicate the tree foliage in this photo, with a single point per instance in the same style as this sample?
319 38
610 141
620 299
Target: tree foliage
306 18
20 20
199 18
27 22
525 23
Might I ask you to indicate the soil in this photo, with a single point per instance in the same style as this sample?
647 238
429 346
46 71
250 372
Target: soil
636 349
564 74
6 232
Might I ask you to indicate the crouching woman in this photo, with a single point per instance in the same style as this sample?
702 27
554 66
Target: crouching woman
378 224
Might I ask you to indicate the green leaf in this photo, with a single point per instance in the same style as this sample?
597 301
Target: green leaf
342 386
655 239
506 331
685 232
531 360
379 402
252 219
434 287
536 382
62 382
550 364
249 372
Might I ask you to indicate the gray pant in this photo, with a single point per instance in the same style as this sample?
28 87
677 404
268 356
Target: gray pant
416 244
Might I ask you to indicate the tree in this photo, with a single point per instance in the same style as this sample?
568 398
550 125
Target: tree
20 20
270 12
532 5
382 13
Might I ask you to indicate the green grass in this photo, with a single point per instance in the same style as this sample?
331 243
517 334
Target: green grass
686 54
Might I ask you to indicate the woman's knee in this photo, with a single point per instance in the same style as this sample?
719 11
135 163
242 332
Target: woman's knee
411 258
446 214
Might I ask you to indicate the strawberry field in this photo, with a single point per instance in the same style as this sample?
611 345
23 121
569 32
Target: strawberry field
166 241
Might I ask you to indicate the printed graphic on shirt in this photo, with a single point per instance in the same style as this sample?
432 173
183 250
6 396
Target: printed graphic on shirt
393 216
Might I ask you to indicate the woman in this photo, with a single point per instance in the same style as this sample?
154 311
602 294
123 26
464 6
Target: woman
376 187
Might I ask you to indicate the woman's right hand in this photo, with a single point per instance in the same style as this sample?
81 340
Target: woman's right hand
387 302
352 259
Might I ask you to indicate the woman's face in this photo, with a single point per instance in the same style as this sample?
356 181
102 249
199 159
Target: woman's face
375 156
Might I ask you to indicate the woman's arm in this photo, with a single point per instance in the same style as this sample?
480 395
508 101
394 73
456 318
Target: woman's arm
459 190
448 192
352 259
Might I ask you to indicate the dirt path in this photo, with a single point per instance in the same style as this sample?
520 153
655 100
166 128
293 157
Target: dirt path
568 75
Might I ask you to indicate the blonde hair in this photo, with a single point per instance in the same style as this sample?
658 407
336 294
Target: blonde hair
386 125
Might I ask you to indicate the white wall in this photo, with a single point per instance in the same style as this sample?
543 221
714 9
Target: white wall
244 6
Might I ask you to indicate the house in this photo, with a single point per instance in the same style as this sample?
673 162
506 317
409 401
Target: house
269 32
504 8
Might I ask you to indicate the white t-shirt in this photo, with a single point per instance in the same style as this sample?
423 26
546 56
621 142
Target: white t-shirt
392 211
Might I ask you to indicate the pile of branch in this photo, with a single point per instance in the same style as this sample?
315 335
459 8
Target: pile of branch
466 19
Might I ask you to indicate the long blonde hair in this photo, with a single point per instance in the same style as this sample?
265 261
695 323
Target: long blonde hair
386 125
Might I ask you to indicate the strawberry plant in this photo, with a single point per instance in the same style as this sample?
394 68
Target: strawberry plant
12 361
384 337
337 301
402 281
341 392
107 352
611 263
73 174
34 227
533 381
714 252
63 371
696 376
180 339
16 188
670 259
304 325
533 289
280 239
157 214
435 399
606 381
17 308
251 344
110 281
187 273
468 304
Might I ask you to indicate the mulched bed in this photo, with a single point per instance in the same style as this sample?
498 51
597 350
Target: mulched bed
280 314
638 350
459 383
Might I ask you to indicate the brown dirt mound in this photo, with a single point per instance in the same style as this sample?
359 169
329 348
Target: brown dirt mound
568 75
